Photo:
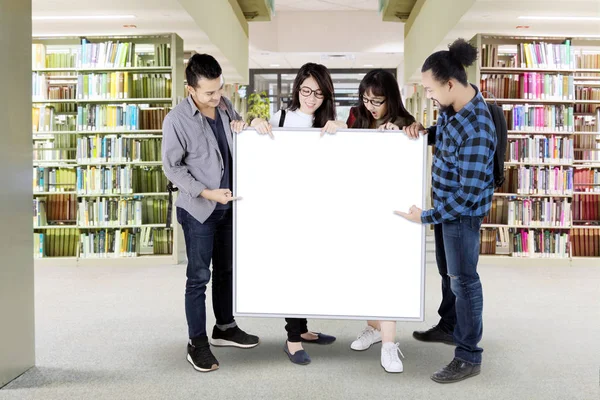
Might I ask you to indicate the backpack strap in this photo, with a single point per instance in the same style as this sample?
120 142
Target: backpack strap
282 118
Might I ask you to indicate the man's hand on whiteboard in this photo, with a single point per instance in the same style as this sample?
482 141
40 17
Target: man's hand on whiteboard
262 126
413 130
222 196
333 126
238 125
413 215
388 126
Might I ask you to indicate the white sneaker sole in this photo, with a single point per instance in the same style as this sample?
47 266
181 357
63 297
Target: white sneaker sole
392 372
229 343
366 348
197 368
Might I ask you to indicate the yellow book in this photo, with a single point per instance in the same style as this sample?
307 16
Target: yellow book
126 85
113 85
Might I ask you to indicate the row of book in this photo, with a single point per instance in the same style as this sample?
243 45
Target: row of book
102 86
54 179
586 208
55 243
46 119
120 180
108 243
543 212
107 54
585 242
51 150
530 85
59 92
104 212
532 55
587 180
526 180
113 148
587 93
62 59
540 243
119 54
123 85
541 149
541 118
100 117
59 208
587 61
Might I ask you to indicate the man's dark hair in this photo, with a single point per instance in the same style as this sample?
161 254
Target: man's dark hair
451 63
202 66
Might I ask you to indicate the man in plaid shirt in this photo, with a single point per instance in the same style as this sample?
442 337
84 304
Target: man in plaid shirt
465 142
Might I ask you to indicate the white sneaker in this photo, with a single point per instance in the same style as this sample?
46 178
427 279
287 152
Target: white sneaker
367 337
389 357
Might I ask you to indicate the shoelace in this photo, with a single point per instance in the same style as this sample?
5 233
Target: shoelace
397 345
390 351
366 332
454 365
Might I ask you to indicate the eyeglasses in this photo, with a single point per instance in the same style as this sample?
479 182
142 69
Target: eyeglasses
306 91
376 103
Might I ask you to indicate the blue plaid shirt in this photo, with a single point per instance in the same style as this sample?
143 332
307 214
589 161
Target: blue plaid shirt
463 163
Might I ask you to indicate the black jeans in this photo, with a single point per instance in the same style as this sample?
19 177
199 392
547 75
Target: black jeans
211 240
295 327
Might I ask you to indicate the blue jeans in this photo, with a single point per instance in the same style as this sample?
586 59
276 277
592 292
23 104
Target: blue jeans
211 240
457 254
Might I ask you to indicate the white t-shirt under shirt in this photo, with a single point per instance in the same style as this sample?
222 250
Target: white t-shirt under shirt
293 119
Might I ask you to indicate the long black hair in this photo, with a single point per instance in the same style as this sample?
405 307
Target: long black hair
320 73
451 63
381 83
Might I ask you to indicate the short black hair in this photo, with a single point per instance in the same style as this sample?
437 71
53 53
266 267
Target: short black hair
451 63
202 66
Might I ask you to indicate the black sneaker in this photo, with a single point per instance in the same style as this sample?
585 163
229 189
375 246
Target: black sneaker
435 334
201 358
456 371
234 337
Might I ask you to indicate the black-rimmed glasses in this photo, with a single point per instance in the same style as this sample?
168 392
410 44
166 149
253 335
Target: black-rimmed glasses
306 91
375 103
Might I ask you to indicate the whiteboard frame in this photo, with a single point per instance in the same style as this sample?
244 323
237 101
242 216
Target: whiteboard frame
421 317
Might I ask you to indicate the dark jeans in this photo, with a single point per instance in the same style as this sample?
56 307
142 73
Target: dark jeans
211 240
295 327
461 309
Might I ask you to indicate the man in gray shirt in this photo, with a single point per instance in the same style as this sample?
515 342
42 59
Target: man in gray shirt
197 158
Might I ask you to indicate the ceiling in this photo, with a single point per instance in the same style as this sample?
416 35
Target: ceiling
326 5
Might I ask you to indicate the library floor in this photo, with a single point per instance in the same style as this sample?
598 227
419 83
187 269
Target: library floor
119 333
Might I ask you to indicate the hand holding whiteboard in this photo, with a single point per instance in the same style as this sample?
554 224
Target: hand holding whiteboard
342 255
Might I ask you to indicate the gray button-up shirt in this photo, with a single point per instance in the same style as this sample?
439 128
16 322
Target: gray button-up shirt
191 156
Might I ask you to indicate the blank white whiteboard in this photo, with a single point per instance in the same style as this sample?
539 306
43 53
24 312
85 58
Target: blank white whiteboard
314 233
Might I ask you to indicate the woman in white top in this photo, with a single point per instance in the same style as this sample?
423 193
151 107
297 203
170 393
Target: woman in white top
312 106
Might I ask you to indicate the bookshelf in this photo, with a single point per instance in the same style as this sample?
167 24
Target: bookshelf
98 188
549 89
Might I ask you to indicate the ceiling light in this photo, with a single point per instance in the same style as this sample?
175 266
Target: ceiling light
52 17
561 18
368 65
273 65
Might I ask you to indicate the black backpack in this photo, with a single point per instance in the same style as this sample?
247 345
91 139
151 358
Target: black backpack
501 141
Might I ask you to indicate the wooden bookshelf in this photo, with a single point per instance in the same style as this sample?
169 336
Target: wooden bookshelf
540 67
154 66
